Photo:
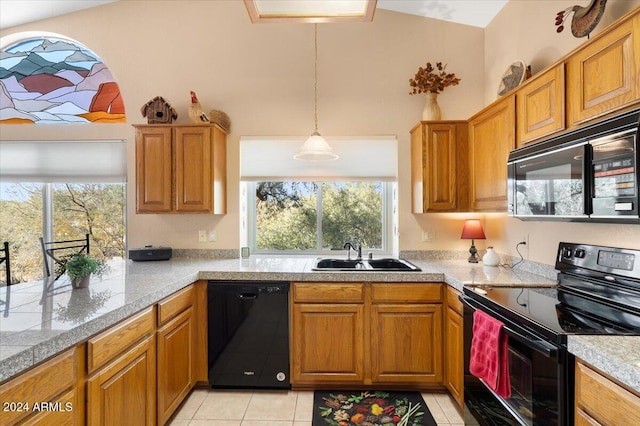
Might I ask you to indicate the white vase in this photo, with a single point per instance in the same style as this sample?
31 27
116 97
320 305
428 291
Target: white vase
82 282
491 258
431 111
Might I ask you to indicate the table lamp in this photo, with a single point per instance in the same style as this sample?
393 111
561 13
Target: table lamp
472 231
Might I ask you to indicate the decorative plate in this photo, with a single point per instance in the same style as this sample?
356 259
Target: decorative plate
512 77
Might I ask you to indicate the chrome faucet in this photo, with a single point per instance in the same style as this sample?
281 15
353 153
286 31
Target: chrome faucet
358 248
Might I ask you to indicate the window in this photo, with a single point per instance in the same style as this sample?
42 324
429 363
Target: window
59 212
318 217
61 190
57 80
292 206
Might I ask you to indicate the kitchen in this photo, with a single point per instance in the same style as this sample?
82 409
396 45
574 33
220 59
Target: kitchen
380 55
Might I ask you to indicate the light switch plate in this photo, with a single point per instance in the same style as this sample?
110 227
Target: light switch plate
202 236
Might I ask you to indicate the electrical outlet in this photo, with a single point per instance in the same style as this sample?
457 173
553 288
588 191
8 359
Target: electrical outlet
428 236
212 235
202 236
525 238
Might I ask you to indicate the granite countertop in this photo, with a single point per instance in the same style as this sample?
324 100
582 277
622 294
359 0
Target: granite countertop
42 319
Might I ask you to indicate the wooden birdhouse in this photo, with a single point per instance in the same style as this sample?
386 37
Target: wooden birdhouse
158 111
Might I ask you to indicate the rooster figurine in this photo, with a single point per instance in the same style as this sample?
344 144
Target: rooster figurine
584 19
196 114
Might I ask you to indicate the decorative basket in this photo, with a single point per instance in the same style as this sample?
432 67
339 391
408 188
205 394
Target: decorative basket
220 118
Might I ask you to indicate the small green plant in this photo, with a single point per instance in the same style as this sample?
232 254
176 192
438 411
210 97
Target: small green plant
81 265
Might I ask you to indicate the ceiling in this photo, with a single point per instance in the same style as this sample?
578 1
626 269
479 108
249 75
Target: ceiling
470 12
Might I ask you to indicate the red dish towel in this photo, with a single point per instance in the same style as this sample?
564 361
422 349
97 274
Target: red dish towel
489 353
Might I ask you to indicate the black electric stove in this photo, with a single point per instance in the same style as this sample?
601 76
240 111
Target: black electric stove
598 292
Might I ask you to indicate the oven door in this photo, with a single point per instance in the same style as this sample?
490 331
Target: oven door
541 391
550 184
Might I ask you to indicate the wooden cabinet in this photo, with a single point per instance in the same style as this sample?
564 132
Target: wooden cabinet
176 351
362 333
604 76
491 138
540 106
180 169
439 167
46 394
454 346
121 388
327 333
406 333
600 401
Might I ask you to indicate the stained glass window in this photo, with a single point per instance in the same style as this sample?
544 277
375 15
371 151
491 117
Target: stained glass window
51 80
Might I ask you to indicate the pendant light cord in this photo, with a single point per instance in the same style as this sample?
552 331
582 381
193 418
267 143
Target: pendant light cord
315 78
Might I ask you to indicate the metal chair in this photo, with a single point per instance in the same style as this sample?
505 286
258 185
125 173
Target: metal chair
60 251
4 258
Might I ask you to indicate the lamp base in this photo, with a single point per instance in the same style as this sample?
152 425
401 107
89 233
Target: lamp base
473 258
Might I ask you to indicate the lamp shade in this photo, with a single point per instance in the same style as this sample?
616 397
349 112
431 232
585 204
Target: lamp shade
315 148
472 230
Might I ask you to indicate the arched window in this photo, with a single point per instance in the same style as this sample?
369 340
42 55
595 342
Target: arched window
45 80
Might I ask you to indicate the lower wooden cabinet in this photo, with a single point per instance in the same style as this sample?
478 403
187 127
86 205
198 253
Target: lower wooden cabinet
600 401
176 352
361 333
327 333
454 347
122 367
123 392
45 395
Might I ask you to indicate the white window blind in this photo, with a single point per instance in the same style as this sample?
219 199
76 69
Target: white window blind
63 161
364 158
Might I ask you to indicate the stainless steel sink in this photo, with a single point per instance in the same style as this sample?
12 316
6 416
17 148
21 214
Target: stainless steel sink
369 265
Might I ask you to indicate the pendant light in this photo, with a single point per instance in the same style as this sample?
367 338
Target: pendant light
315 147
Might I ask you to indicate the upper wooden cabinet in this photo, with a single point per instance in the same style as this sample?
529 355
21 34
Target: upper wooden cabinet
180 169
604 76
439 181
540 106
491 138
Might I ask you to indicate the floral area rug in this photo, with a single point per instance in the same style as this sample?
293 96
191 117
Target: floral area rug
370 408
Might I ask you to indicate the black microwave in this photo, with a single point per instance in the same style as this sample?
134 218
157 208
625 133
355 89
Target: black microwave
590 174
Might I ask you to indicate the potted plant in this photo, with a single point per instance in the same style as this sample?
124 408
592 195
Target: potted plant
431 81
80 266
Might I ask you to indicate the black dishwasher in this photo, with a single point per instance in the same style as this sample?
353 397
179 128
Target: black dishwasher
248 328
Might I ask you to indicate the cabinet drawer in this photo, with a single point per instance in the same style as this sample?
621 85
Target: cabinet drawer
603 400
63 413
107 345
332 293
401 292
452 300
173 305
41 384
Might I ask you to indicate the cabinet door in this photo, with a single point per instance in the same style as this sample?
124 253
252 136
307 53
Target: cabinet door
605 75
175 363
153 170
491 138
193 169
453 367
540 106
124 391
327 343
406 343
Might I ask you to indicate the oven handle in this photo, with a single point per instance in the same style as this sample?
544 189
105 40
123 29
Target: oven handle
546 349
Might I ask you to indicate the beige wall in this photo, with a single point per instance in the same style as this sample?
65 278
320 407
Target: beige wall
262 76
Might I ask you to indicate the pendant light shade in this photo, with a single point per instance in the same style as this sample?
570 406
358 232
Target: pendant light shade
316 148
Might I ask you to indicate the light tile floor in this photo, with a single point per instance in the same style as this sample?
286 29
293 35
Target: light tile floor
212 407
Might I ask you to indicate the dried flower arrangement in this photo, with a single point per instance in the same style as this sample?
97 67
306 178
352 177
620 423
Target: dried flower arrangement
433 80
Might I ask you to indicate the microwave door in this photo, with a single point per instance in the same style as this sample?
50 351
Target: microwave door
551 184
